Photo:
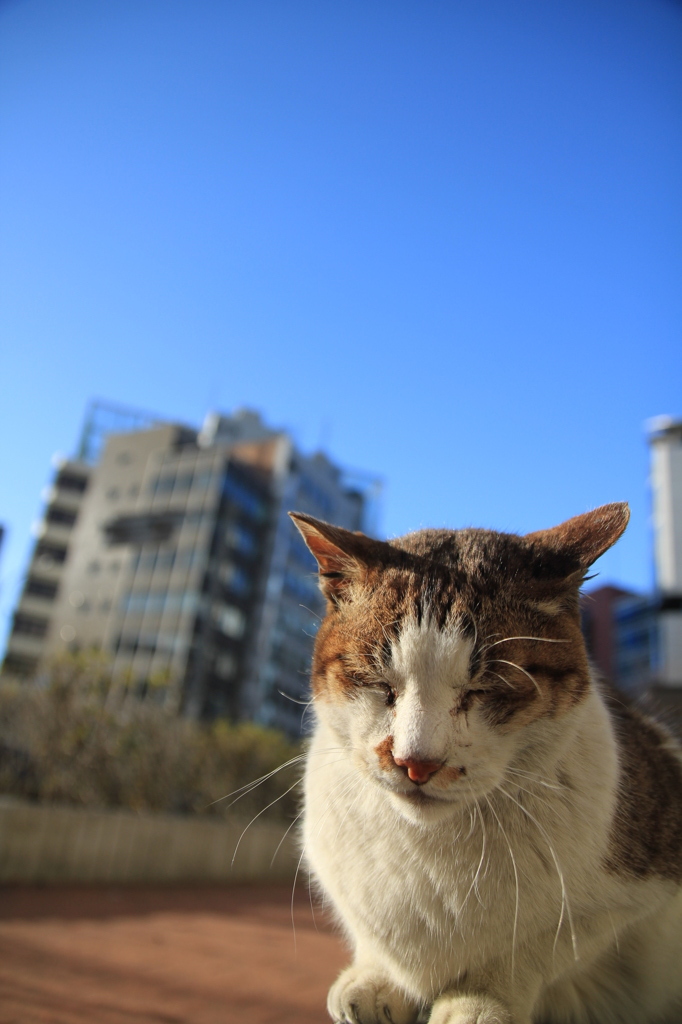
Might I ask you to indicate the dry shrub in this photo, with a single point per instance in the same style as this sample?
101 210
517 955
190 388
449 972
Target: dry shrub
73 739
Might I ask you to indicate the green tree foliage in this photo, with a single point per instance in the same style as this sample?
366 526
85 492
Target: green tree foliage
77 739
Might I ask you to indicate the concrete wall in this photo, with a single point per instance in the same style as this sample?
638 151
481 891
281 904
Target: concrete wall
44 843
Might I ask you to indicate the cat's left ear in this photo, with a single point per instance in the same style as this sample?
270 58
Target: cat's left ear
342 557
584 538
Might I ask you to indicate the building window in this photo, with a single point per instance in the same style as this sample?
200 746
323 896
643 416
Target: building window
30 625
145 528
54 553
240 539
19 665
158 601
61 516
165 559
225 666
235 579
168 642
203 479
183 481
72 482
162 484
147 642
36 587
126 643
197 517
229 620
145 561
235 491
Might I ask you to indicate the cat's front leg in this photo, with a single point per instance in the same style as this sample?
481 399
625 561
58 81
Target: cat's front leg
497 994
471 1009
365 995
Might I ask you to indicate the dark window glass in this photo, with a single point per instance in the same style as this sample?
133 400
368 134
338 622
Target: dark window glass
165 559
54 552
241 540
19 665
30 625
183 481
63 516
235 579
202 478
145 528
36 587
72 482
163 484
236 491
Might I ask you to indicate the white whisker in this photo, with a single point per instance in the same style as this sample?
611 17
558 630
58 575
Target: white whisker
541 639
516 885
279 844
256 816
250 786
492 673
474 882
565 906
501 661
531 777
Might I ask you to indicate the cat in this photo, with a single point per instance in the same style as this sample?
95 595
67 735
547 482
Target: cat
499 838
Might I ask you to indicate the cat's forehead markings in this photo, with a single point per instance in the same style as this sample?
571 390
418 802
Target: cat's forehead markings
425 652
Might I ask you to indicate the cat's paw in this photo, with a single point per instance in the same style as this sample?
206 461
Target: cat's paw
363 996
452 1009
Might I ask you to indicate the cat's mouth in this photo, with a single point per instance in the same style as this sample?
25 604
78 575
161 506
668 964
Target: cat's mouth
417 796
423 807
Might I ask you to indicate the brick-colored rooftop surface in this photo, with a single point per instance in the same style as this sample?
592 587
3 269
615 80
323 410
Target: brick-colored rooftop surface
200 955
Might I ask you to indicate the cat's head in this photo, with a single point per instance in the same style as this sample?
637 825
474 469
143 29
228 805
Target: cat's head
446 654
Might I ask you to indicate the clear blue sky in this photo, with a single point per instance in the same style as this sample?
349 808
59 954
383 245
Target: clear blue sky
442 238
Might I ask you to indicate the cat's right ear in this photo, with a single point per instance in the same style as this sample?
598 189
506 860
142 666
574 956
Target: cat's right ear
581 540
342 557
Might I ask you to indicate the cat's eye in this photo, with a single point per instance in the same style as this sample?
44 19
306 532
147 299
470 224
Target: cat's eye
385 688
390 694
470 695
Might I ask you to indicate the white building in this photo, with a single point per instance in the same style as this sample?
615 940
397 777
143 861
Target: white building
665 437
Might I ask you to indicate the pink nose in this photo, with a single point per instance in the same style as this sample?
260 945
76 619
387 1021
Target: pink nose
418 771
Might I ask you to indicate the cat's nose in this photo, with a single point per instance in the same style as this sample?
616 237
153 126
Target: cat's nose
418 771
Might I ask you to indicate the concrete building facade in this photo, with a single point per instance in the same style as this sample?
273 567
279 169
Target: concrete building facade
174 554
665 438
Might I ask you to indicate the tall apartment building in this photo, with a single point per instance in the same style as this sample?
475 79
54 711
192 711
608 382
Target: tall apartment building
171 549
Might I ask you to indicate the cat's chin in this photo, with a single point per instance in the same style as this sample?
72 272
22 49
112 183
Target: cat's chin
417 806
